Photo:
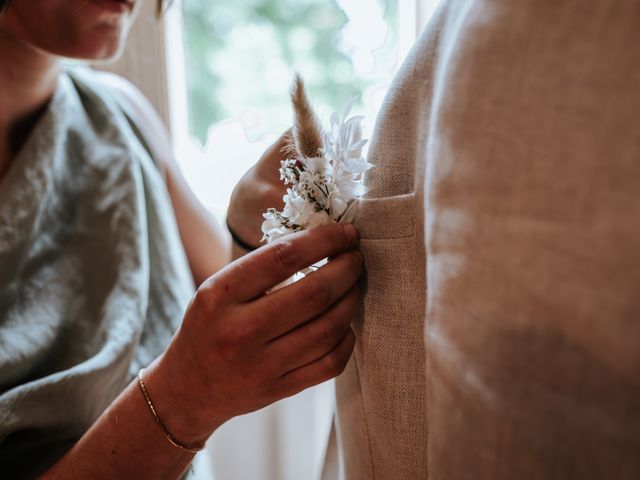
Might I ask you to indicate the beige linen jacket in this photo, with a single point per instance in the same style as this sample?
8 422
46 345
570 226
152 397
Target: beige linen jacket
500 326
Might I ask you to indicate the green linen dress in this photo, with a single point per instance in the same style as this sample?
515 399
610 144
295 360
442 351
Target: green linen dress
93 276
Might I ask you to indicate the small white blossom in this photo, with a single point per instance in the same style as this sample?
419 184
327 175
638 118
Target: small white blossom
317 165
274 227
318 219
289 171
296 208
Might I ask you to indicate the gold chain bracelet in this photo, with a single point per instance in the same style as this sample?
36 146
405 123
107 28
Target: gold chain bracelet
170 437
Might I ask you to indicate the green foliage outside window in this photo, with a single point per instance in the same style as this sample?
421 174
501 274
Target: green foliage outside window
241 55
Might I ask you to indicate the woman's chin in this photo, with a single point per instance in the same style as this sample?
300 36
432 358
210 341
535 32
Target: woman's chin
91 53
99 37
93 30
109 52
99 46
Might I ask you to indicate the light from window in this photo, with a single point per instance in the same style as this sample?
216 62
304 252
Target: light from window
240 57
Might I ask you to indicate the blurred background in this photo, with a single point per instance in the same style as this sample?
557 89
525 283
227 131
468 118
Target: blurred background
239 60
240 55
219 73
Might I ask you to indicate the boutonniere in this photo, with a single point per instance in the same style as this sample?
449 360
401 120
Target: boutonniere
323 170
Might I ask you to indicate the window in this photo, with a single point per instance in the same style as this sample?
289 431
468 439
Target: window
231 96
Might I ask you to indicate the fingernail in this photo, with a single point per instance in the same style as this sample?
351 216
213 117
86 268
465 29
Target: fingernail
351 233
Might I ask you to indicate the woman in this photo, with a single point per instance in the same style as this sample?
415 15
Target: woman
100 242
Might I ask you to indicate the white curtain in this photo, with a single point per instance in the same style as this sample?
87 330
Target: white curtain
285 441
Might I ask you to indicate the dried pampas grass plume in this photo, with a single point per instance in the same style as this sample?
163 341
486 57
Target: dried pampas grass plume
306 133
288 145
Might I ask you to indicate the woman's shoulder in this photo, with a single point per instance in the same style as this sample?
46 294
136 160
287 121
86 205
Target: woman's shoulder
138 109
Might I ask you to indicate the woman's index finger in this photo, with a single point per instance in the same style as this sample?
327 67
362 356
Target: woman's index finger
255 273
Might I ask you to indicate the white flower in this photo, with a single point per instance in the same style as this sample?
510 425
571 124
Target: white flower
318 219
317 165
323 189
289 171
272 227
296 208
346 185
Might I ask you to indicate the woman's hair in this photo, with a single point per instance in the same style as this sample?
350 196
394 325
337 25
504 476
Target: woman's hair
162 4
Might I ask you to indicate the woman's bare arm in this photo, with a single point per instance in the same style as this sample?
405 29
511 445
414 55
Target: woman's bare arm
125 442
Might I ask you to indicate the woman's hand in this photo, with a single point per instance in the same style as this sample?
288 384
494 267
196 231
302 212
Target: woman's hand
240 349
259 189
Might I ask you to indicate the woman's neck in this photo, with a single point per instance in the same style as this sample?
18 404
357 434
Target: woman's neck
28 79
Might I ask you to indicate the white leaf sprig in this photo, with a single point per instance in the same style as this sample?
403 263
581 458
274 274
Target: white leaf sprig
323 171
